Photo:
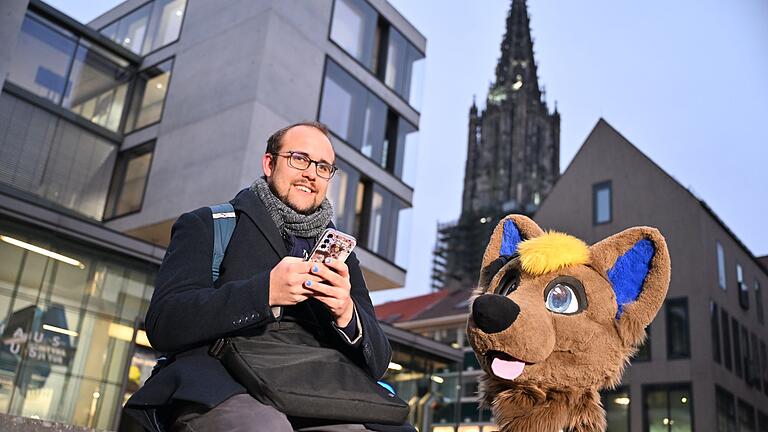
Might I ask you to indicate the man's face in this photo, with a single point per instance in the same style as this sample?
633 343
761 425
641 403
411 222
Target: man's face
301 190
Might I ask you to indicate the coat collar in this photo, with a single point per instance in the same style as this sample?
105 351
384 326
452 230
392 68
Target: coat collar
249 203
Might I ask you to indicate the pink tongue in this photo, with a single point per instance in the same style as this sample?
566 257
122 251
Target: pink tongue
506 369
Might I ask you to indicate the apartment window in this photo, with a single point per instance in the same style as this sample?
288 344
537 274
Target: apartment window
354 29
743 288
360 31
764 366
365 122
98 84
616 404
725 406
757 370
720 265
404 68
644 351
725 322
736 347
149 96
714 323
42 58
601 203
678 342
746 358
149 27
746 417
129 181
667 408
759 302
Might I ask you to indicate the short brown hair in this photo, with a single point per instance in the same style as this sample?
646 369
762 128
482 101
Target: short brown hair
276 140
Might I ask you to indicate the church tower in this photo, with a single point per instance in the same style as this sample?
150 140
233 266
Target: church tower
513 157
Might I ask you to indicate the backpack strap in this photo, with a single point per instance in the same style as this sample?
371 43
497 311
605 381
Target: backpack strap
224 220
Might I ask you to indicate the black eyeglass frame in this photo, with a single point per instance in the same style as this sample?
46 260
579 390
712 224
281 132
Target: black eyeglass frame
290 154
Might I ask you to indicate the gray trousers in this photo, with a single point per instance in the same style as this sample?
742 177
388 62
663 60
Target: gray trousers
243 413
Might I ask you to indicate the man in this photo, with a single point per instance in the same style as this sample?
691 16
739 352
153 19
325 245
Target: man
263 280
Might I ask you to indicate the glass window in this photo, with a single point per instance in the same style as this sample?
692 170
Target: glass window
342 193
616 404
720 265
736 347
354 29
756 371
97 86
764 366
746 417
678 343
746 358
353 113
406 153
714 323
601 199
41 59
389 226
644 350
726 410
667 408
51 158
165 24
129 181
399 70
743 288
149 96
130 30
759 302
725 320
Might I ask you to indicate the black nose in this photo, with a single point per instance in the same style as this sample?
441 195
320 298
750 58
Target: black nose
493 313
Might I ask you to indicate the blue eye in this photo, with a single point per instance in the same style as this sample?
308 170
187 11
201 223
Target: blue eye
562 299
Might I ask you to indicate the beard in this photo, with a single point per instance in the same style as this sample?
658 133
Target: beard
284 198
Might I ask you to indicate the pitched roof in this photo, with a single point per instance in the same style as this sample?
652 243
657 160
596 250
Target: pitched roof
406 309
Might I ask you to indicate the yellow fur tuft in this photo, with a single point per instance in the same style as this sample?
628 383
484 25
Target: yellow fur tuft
552 251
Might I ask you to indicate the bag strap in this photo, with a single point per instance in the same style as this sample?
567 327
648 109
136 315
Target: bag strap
224 220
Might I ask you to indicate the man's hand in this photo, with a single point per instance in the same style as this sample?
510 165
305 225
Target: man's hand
334 289
287 282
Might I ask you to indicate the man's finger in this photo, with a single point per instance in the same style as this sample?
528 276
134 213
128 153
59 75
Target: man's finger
338 266
329 275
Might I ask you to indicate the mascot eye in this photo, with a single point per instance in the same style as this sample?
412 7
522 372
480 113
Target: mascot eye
508 282
565 295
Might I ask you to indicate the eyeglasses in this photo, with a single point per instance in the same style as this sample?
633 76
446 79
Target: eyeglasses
301 161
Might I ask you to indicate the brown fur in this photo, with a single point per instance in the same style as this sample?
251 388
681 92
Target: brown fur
569 358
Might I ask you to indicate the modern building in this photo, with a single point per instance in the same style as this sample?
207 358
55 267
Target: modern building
513 157
704 366
110 130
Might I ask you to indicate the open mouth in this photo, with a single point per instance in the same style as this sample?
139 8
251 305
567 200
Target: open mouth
504 365
304 189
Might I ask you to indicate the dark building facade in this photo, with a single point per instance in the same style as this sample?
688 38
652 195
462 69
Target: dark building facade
513 156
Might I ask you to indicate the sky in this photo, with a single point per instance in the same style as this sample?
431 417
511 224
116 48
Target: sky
686 81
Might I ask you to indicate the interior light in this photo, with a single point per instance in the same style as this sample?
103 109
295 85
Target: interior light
437 379
96 395
59 330
684 400
127 40
41 251
395 366
178 13
125 333
621 400
455 345
159 85
665 421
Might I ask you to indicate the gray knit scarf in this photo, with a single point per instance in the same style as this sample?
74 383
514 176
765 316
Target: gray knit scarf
289 221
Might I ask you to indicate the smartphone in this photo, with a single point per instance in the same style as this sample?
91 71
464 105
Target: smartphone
332 244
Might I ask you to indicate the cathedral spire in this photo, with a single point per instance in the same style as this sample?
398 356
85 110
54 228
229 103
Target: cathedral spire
516 62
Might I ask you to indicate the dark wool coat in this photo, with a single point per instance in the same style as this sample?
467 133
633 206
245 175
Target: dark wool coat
188 311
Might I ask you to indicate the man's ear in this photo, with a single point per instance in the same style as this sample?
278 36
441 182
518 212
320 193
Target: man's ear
267 164
636 263
509 232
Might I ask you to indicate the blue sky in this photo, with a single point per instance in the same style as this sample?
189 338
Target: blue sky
685 81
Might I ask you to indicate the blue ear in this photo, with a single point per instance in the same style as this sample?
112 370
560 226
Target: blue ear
510 239
628 273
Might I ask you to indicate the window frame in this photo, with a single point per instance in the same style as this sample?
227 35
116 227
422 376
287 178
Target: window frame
714 323
669 387
722 279
144 38
132 89
596 187
674 302
118 174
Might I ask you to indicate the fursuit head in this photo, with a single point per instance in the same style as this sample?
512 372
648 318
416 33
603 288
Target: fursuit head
554 321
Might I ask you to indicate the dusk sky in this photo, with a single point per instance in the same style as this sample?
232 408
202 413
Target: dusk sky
685 81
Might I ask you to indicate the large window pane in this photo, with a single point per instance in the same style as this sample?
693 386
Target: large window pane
601 203
616 404
667 408
130 30
389 226
401 59
746 417
128 183
41 59
720 265
406 154
149 96
759 302
725 322
97 86
678 343
726 410
736 346
342 193
354 29
714 324
165 24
